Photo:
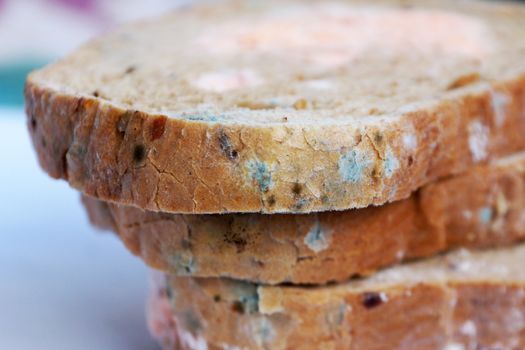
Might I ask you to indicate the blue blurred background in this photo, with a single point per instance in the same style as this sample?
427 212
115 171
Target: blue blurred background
64 285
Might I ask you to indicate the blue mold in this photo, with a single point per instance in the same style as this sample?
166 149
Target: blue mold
352 166
259 172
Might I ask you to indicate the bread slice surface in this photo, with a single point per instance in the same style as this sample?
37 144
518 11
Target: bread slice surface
461 300
283 106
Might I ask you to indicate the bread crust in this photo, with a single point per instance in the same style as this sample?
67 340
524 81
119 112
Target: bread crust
449 315
128 156
482 208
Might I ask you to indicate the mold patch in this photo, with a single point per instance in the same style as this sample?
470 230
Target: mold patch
190 341
372 299
226 146
352 165
301 203
335 316
390 164
247 304
204 118
485 215
410 141
191 321
139 153
478 140
454 346
184 264
318 239
499 102
469 328
260 174
247 299
263 331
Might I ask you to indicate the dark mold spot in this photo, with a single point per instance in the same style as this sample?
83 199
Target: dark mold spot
64 165
371 300
226 146
257 263
130 69
301 203
271 200
122 124
378 138
305 258
239 242
96 93
139 153
297 188
77 151
238 307
376 172
33 122
410 160
216 298
235 238
248 303
169 293
157 128
186 244
192 322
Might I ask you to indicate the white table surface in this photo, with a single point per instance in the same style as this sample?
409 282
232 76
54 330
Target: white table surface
63 284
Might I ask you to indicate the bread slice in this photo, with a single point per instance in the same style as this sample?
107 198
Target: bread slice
484 207
459 301
283 106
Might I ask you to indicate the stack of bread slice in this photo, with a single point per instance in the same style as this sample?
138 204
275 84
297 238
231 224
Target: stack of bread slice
306 174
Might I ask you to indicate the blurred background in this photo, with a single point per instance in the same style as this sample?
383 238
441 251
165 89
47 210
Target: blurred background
64 285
